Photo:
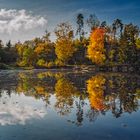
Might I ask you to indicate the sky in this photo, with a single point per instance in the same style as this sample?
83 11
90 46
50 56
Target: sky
25 19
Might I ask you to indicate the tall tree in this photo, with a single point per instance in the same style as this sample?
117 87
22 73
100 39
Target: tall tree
44 50
117 24
46 37
80 26
128 43
1 44
103 24
64 48
93 22
8 44
96 48
116 35
130 34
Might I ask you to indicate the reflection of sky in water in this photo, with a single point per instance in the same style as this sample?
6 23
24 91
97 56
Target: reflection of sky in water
13 111
76 109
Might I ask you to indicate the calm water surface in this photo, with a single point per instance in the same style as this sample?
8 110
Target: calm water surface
69 106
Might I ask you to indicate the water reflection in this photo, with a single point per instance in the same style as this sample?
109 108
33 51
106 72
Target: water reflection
85 96
115 93
95 89
13 112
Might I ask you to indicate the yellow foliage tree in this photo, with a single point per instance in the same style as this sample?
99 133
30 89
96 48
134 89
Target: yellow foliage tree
96 50
64 47
26 55
42 47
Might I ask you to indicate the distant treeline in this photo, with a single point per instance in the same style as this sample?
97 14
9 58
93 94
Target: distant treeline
113 44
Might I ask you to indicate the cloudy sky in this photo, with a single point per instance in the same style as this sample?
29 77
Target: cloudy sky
25 19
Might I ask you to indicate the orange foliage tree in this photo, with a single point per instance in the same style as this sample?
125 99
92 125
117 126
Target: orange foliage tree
96 50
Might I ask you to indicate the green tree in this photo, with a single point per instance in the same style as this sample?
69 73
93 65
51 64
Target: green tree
26 54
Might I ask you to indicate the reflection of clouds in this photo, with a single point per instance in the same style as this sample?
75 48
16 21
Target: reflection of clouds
13 113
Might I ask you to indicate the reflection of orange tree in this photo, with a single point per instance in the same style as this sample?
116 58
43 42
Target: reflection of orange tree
65 90
95 89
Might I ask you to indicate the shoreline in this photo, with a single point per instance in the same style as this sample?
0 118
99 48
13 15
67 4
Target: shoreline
83 68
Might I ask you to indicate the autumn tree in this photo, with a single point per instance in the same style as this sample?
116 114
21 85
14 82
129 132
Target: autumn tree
64 48
44 50
38 52
26 55
115 32
79 57
96 48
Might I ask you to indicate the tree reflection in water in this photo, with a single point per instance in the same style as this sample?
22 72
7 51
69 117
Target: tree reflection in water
95 88
113 93
87 97
64 90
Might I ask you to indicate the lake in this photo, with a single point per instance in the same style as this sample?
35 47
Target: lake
66 105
